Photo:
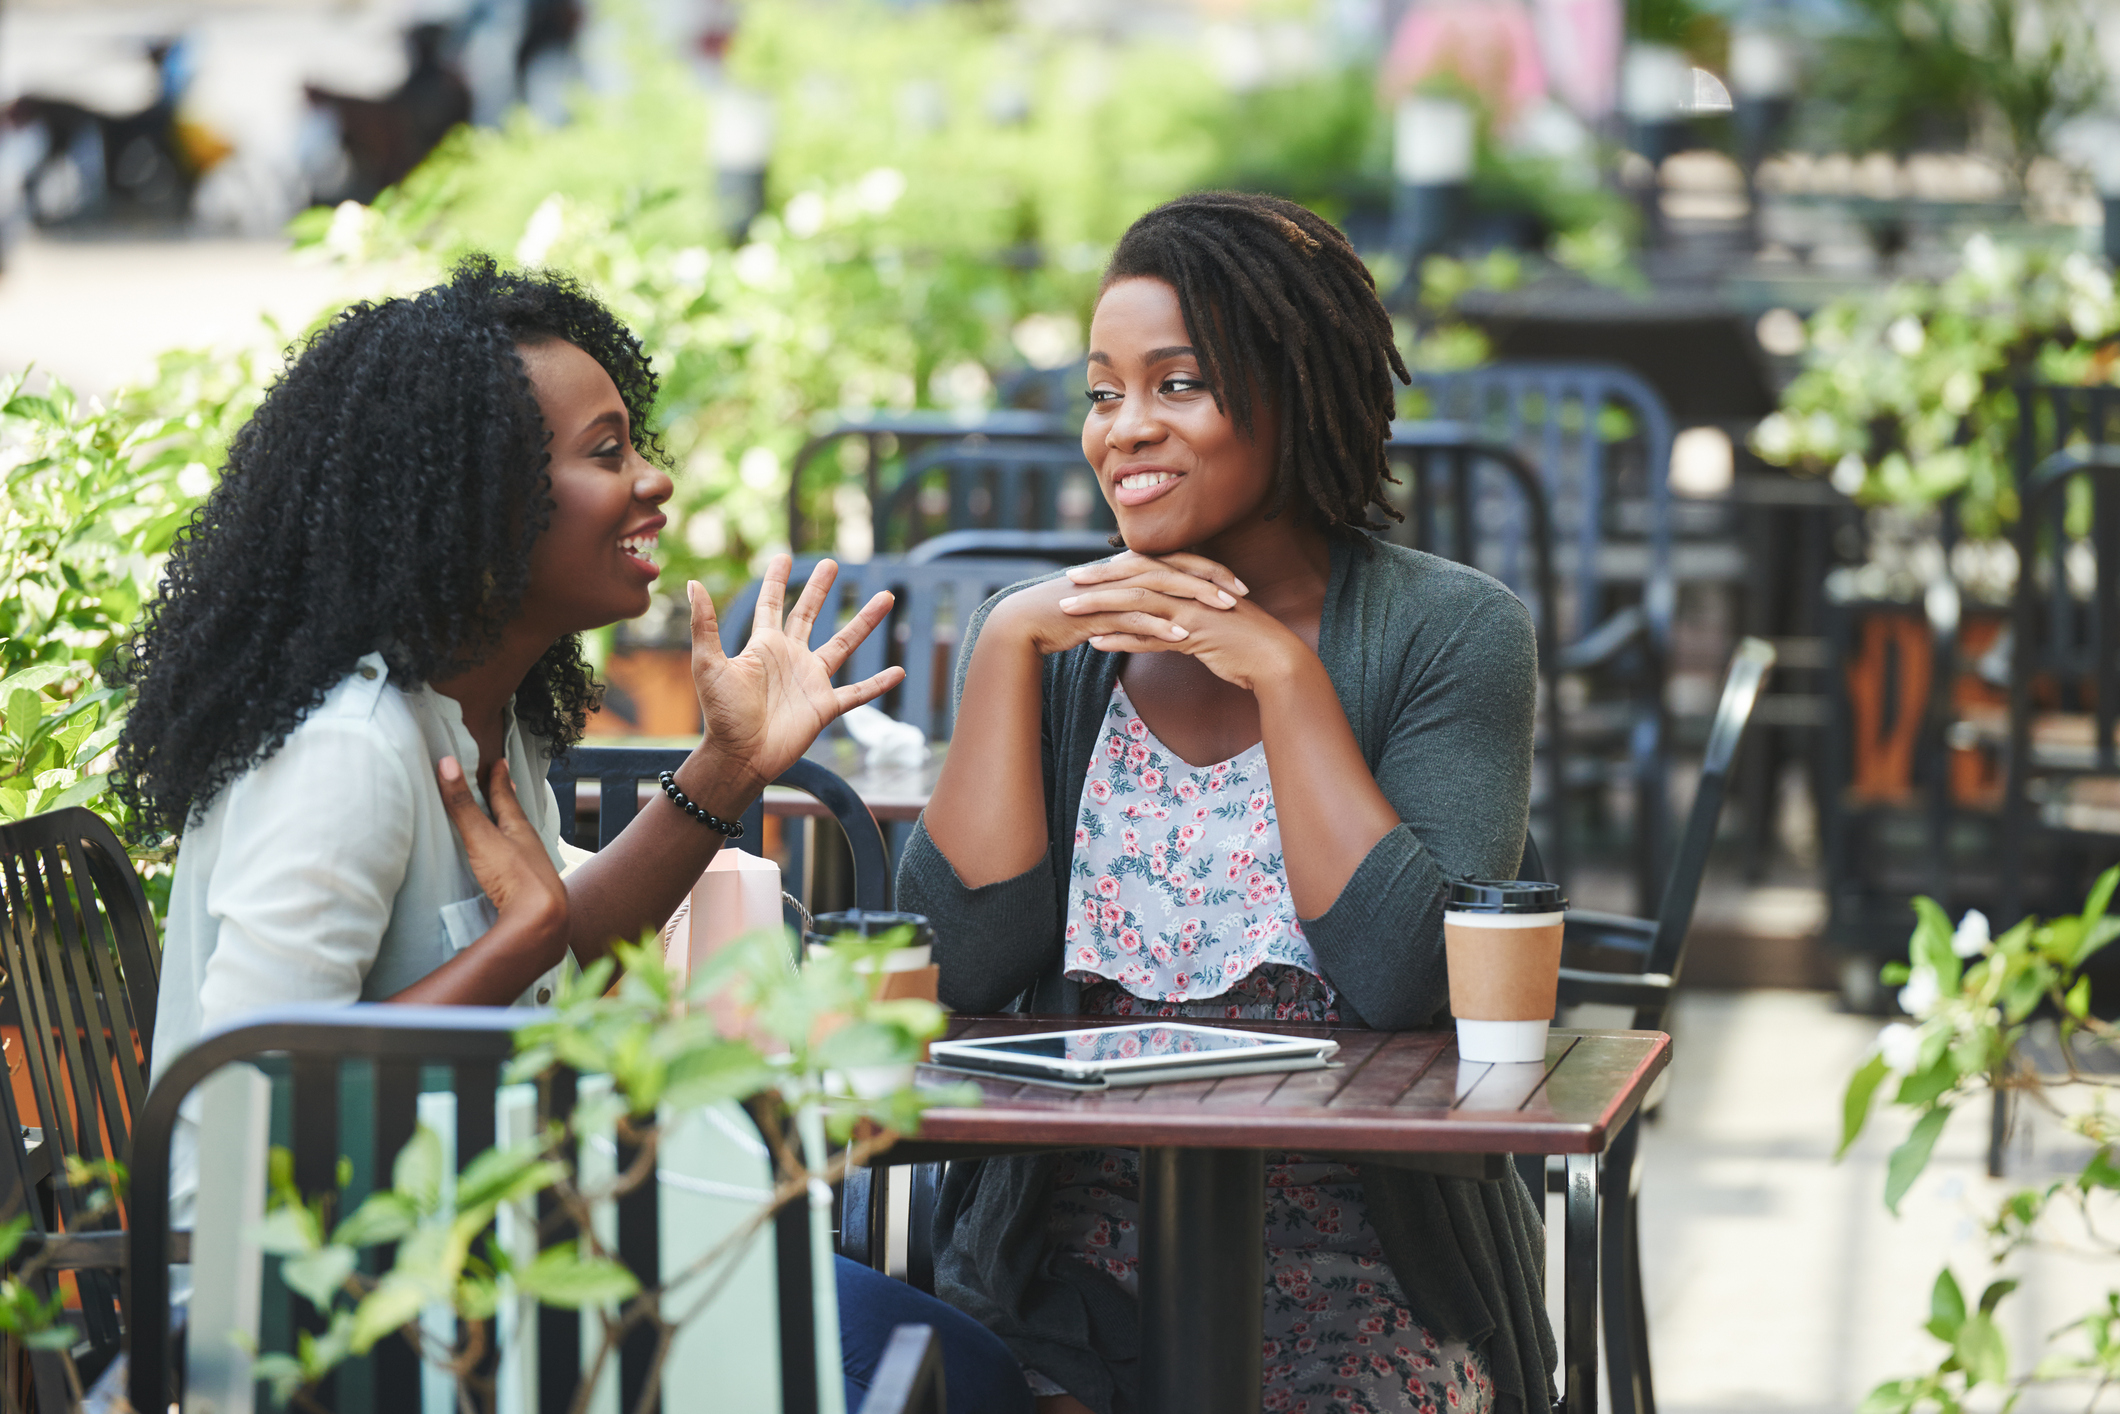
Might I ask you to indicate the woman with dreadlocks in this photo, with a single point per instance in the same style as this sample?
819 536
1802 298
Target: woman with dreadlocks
369 638
1228 773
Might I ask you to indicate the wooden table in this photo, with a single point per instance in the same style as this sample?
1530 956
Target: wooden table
1396 1098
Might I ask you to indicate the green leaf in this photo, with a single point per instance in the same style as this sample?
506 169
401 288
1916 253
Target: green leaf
283 1372
2096 936
1911 1157
504 1175
1981 1351
1946 1307
1919 1089
562 1276
11 1233
32 679
319 1275
2101 1171
382 1217
288 1231
1892 1397
1931 944
2101 896
722 1070
79 793
1855 1105
2078 1001
1996 1290
386 1310
417 1173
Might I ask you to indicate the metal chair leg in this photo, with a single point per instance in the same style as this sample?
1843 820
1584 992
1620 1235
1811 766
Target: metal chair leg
1626 1329
1579 1292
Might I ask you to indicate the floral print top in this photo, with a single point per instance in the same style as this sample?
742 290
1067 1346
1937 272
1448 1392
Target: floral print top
1178 890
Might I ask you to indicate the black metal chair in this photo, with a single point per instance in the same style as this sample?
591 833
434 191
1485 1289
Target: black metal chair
1456 499
891 439
474 1042
1611 959
1071 547
621 771
935 603
1616 559
83 961
982 484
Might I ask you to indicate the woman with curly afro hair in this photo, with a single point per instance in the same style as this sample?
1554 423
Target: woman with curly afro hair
368 648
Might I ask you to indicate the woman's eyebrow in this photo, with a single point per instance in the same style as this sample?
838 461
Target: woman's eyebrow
1154 355
615 418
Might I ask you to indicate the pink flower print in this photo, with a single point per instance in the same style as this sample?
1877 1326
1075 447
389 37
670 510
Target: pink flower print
1379 1364
1107 886
1160 951
1350 1366
1450 1394
1152 779
1187 790
1231 965
1135 975
1081 836
1195 894
1399 1350
1130 840
1189 927
1115 748
1188 944
1085 957
1100 790
1306 1345
1199 812
1072 930
1429 1341
1161 812
1269 891
1221 768
1372 1325
1182 982
1130 1046
1136 756
1129 940
1241 857
1113 915
1257 803
1156 865
1136 728
1186 835
1254 880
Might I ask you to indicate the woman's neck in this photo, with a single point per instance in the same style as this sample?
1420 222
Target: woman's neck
1285 565
484 690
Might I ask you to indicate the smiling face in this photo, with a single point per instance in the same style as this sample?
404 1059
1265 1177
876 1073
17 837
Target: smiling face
1175 469
594 562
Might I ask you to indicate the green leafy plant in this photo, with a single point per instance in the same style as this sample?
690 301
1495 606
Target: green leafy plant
1907 394
91 497
1972 998
815 1052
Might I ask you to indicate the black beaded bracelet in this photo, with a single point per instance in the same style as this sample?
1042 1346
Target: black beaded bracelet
730 829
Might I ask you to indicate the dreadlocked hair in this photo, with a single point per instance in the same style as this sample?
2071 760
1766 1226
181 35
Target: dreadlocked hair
384 497
1277 304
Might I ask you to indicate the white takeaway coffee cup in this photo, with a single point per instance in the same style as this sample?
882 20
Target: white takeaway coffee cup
1502 939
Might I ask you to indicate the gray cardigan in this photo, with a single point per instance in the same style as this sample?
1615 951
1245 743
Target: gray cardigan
1436 668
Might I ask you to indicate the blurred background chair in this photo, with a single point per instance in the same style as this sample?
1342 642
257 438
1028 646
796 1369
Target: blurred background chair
83 961
1615 961
1601 440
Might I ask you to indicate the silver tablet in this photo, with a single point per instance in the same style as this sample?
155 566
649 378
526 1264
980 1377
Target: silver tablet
1137 1054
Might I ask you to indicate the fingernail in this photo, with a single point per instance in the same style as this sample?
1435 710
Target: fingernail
1074 571
1240 585
1069 601
1178 631
450 770
1228 600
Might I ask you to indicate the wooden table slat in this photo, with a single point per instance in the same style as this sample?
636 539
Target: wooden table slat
1397 1093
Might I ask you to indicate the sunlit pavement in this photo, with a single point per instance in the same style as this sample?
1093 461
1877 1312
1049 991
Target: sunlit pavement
1775 1278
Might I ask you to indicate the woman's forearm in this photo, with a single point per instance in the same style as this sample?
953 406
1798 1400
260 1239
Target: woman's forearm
1330 809
633 885
987 814
496 969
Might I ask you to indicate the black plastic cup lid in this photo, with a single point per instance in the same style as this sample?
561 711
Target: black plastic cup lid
866 922
1504 896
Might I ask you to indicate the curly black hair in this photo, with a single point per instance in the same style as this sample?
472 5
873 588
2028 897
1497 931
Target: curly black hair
384 497
1276 302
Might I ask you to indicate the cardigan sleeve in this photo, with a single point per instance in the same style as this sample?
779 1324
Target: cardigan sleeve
994 941
1456 767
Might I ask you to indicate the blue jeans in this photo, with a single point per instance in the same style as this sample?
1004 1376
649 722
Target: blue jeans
981 1376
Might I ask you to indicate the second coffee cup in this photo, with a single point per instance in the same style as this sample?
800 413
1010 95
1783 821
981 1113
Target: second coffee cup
1503 942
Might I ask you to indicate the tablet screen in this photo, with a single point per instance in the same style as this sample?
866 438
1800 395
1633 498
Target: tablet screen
1128 1043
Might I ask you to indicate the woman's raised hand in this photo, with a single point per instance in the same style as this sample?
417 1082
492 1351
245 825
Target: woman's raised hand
765 706
506 855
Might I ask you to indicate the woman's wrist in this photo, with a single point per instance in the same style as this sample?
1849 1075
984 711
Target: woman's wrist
721 784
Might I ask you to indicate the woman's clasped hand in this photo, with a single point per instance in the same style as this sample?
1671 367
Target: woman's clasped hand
1179 603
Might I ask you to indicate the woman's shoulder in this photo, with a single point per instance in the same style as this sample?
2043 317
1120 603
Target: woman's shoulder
1408 581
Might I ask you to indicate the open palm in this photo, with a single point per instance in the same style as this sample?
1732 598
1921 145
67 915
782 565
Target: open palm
765 706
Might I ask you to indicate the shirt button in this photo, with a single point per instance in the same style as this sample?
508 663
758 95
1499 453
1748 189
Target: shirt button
544 994
368 673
